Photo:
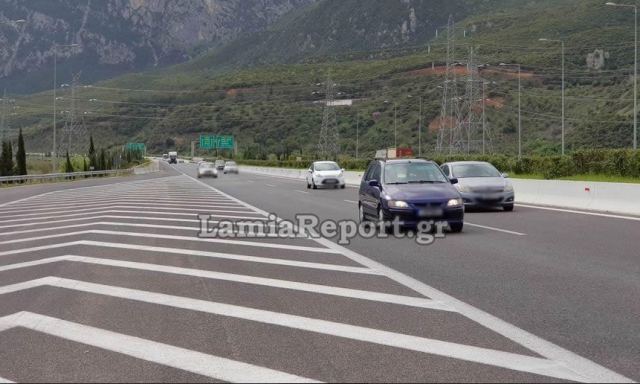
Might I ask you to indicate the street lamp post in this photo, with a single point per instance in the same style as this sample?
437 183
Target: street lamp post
635 70
519 105
14 24
563 86
54 154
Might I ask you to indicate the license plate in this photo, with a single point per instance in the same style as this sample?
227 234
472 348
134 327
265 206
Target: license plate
430 212
490 196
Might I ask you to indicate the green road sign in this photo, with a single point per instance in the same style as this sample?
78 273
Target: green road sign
135 146
216 142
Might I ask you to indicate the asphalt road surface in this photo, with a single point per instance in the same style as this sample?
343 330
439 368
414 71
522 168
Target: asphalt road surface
112 282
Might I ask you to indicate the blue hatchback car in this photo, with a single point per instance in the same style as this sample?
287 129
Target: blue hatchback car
413 190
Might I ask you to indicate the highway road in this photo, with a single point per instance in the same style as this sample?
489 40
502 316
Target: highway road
111 282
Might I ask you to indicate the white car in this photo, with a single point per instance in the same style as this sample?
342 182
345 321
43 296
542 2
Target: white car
325 174
207 169
230 167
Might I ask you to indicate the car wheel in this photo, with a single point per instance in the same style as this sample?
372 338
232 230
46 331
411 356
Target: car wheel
361 214
456 227
381 226
342 186
314 184
508 208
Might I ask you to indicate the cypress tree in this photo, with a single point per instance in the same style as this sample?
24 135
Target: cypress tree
68 168
92 154
6 159
21 156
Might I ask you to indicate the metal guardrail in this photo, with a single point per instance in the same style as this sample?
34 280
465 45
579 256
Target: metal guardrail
29 179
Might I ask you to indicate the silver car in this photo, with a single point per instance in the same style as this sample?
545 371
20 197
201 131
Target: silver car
481 184
325 174
230 167
207 170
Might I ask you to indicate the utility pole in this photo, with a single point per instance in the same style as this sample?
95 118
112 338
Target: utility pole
484 116
420 129
563 86
519 105
54 154
357 134
635 70
4 113
328 141
395 125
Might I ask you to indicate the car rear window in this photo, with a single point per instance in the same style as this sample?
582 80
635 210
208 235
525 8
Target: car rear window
475 170
407 173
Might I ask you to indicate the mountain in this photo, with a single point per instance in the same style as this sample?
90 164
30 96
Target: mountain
119 36
267 89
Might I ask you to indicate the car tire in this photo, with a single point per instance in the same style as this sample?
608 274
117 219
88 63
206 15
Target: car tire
382 228
456 227
361 215
308 185
508 208
342 186
314 184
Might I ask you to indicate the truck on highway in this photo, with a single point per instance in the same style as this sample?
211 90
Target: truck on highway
173 157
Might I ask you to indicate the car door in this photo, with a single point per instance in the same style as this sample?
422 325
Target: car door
371 194
364 185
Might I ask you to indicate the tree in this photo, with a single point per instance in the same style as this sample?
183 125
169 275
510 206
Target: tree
68 167
6 159
21 156
92 155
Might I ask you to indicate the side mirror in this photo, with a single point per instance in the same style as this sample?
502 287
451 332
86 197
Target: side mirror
505 175
374 183
453 180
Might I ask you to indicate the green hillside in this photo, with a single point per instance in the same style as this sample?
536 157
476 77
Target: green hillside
275 109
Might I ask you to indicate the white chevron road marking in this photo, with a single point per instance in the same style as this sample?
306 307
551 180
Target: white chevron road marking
188 252
480 355
276 283
191 361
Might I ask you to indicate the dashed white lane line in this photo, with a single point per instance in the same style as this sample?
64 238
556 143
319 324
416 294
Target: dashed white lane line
299 191
480 355
608 215
191 361
495 229
270 185
5 381
351 201
584 369
245 279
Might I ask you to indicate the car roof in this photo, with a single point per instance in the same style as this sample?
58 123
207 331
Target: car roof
325 162
405 161
468 162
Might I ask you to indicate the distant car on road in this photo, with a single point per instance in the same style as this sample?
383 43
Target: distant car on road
207 170
220 164
230 167
481 184
325 173
173 157
413 190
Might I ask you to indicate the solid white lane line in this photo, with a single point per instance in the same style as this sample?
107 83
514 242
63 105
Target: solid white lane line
495 229
5 381
203 209
607 215
164 354
129 212
188 252
172 237
592 371
480 355
245 279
